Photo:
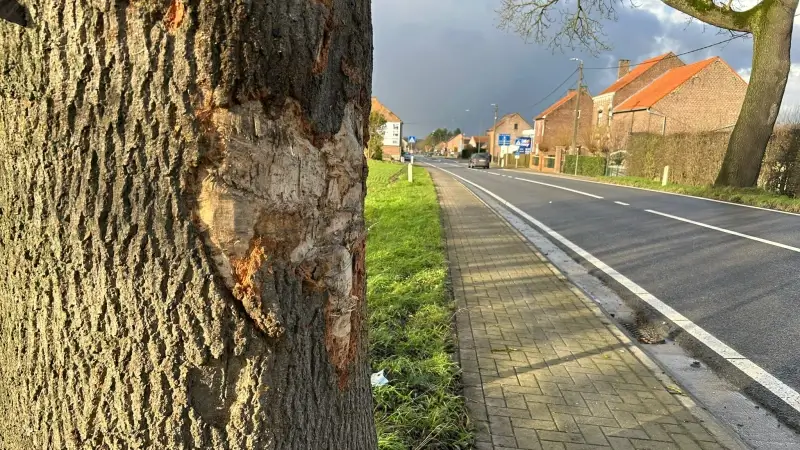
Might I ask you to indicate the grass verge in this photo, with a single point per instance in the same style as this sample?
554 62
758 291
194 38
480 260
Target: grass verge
745 196
410 315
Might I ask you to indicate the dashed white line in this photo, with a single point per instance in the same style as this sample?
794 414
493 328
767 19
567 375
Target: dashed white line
778 388
724 230
623 203
558 187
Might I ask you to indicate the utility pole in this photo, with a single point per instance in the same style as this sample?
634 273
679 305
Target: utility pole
494 133
577 111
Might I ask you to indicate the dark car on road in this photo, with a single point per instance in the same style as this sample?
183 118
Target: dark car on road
479 160
406 157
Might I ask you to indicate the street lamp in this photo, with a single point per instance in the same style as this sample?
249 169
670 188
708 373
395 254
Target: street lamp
577 111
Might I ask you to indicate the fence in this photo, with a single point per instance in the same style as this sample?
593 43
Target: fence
523 160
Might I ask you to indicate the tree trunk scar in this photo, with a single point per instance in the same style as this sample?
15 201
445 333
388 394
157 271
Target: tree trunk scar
257 205
247 273
174 16
343 318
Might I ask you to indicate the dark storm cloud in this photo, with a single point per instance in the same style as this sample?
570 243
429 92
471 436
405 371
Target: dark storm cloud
435 60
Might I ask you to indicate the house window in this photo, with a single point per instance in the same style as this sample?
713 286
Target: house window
516 125
599 116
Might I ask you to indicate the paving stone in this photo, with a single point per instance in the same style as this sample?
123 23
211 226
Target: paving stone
504 441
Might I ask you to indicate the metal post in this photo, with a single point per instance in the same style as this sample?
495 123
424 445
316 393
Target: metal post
494 132
577 111
410 172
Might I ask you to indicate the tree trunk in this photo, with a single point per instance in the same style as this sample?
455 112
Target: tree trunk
772 38
181 225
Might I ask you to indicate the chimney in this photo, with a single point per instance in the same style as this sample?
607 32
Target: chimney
624 68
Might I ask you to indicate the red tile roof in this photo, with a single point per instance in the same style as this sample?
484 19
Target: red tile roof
637 70
663 85
384 111
556 105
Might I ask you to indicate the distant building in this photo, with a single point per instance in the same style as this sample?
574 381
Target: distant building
454 146
513 124
392 131
479 142
553 130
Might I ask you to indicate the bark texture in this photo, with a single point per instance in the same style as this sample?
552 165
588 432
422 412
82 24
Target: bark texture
181 225
771 24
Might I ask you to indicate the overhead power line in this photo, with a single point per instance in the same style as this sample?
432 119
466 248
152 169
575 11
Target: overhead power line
554 90
566 80
678 55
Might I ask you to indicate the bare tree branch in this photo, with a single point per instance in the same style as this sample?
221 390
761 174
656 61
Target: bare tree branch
574 23
578 23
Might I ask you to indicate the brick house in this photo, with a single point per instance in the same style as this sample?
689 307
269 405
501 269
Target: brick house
513 124
392 131
704 96
456 144
553 129
479 142
628 83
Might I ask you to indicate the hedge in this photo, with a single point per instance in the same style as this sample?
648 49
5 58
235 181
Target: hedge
591 166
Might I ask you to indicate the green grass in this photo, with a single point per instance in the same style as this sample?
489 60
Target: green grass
410 315
745 196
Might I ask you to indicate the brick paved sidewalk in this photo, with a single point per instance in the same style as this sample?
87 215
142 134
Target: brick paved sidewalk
543 367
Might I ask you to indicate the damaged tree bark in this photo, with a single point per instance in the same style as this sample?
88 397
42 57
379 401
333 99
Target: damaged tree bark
181 225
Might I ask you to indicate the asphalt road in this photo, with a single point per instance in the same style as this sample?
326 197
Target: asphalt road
742 288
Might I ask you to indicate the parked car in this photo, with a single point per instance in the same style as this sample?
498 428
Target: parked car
406 157
479 160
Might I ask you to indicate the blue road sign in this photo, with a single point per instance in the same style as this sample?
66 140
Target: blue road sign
504 139
412 139
523 143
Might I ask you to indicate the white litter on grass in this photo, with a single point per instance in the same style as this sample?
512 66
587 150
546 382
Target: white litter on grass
377 379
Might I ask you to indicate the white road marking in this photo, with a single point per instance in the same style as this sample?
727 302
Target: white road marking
558 187
723 230
661 192
778 388
622 203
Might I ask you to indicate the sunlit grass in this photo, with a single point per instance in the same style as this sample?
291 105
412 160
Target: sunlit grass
410 315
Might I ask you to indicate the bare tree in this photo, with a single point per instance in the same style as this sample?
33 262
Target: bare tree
181 225
579 23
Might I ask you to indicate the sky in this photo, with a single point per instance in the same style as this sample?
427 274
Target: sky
442 63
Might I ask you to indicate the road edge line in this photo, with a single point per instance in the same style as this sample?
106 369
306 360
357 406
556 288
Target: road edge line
768 381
